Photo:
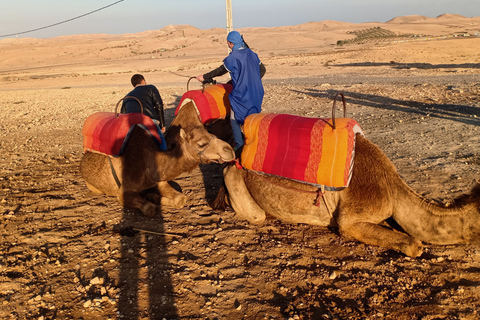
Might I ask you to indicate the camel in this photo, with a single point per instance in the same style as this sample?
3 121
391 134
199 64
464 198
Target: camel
142 166
376 193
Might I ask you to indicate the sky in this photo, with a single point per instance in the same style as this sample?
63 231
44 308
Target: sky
132 16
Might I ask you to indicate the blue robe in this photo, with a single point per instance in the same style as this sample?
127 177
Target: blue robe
247 94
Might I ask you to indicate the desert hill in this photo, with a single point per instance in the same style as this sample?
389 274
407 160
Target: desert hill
181 48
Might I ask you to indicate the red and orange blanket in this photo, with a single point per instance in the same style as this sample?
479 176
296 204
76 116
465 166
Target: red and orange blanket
306 150
108 133
212 102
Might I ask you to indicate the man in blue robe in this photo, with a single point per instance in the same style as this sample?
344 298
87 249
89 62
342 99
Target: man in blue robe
246 72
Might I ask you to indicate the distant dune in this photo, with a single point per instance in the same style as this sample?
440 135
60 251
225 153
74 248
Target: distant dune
185 47
423 19
451 16
409 19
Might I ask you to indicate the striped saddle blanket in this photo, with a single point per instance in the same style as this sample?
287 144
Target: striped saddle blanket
306 150
212 103
105 133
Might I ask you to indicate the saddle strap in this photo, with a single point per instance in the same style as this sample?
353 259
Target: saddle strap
114 173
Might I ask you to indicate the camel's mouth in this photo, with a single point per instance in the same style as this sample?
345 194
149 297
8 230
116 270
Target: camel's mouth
229 159
223 160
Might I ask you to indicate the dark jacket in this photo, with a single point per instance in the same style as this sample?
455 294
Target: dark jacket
151 101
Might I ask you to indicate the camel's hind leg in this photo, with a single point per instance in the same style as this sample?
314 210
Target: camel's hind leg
374 234
240 198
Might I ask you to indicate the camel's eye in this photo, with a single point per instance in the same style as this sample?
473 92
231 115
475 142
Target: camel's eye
202 144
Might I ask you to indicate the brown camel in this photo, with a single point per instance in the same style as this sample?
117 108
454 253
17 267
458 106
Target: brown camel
143 166
375 194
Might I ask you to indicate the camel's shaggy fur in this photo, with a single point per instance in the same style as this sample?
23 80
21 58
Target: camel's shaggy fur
375 194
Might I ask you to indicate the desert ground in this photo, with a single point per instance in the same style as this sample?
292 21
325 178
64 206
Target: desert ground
66 253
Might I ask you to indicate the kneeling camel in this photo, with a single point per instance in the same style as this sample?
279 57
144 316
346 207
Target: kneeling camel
375 194
142 166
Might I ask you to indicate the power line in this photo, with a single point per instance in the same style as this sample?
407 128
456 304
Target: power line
56 24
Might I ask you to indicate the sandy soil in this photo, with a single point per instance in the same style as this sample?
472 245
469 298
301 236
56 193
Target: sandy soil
65 252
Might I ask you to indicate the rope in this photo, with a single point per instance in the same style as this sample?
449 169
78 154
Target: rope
58 23
200 152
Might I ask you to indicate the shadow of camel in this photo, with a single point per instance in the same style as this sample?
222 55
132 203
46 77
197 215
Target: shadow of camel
461 113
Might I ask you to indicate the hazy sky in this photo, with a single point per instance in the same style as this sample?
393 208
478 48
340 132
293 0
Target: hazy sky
131 16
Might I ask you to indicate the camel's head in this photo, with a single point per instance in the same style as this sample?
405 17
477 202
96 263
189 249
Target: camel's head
187 130
473 198
205 146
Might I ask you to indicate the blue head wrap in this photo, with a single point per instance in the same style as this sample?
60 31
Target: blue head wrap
236 38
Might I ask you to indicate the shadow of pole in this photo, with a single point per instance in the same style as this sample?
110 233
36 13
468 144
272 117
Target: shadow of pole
161 293
128 281
145 285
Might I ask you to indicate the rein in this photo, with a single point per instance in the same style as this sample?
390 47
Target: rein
200 152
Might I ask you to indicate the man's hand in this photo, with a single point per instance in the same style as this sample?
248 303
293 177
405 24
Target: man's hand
200 78
163 129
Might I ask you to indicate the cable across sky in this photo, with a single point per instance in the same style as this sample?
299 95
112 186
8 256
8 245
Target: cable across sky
58 23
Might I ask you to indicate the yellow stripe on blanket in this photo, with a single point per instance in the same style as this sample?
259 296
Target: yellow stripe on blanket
304 149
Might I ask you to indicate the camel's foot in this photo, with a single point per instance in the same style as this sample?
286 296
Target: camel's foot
134 200
169 196
413 249
149 209
177 202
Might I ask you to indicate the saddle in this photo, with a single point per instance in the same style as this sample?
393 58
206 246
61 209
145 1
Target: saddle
212 102
108 133
318 152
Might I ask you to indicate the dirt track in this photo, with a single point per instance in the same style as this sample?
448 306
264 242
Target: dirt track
62 257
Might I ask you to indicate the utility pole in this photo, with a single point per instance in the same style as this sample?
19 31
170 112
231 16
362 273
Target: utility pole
229 19
229 16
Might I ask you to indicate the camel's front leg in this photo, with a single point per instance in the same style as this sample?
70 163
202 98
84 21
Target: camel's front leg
375 234
134 200
240 198
168 196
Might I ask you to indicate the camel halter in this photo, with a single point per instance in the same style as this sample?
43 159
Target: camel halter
200 152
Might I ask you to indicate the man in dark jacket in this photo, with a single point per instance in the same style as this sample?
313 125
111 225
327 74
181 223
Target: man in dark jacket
149 97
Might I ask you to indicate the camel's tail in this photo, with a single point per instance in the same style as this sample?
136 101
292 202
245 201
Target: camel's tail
221 201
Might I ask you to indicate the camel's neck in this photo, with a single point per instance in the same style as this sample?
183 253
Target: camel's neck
433 222
421 218
177 159
171 164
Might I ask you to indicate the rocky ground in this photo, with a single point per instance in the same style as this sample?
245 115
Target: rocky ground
66 253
